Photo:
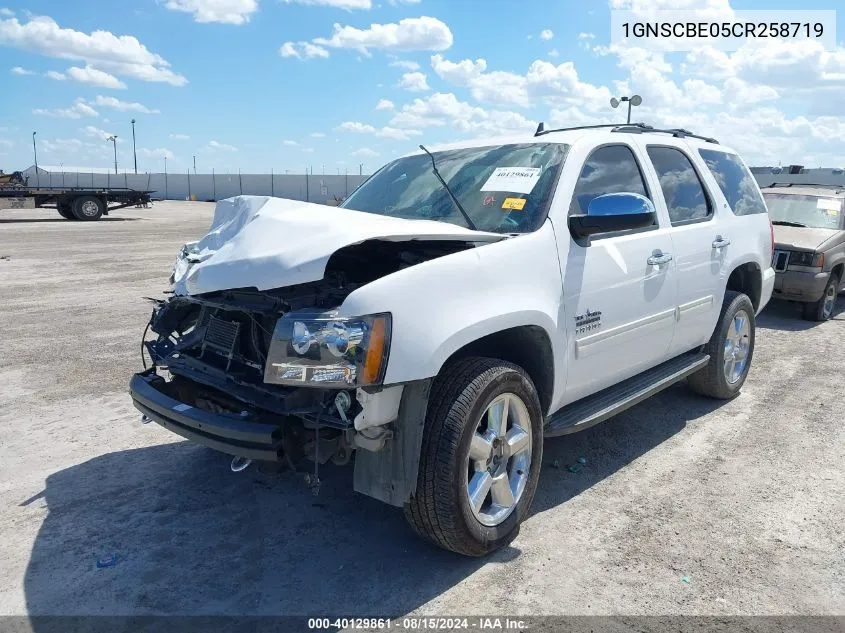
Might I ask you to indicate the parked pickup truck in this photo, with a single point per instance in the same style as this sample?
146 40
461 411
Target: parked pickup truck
809 258
460 307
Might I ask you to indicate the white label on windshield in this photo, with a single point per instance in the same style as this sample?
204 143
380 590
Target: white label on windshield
513 179
827 203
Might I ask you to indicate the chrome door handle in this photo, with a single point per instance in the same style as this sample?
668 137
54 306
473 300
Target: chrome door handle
721 242
659 259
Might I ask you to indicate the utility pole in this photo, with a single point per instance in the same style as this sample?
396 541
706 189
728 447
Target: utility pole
195 164
134 153
113 139
35 152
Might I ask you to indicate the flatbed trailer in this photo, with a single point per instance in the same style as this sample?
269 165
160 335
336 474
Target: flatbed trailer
80 203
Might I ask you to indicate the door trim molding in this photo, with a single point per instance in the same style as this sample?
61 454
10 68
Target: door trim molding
595 343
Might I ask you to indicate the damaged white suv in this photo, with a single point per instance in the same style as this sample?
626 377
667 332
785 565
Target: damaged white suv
459 307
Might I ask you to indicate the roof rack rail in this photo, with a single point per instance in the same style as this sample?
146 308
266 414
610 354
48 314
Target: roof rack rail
541 129
838 188
631 128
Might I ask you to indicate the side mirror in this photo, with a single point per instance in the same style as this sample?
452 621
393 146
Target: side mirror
613 212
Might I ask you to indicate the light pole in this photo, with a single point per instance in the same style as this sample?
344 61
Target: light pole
35 153
113 139
195 164
134 154
632 101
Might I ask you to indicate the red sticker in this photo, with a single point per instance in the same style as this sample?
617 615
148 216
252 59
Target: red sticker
489 201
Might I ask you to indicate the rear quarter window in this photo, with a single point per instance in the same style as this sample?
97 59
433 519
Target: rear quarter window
735 181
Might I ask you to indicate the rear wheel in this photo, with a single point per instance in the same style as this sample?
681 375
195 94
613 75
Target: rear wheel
65 211
822 310
731 348
88 208
481 455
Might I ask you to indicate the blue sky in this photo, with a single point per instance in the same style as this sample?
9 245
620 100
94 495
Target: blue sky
261 84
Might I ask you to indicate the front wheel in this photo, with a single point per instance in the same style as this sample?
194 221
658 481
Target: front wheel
822 310
481 455
731 348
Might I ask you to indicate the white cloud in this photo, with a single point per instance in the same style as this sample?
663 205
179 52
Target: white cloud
6 13
288 143
547 34
414 82
52 74
434 111
554 53
404 64
96 132
159 152
222 11
302 50
586 36
94 77
214 145
307 150
180 137
365 152
4 143
410 34
338 4
17 70
78 110
121 55
123 106
392 133
385 104
317 135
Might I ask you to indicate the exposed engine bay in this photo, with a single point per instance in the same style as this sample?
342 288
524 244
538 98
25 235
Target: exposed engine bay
215 348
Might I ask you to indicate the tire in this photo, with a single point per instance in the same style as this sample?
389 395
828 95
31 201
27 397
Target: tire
822 310
439 509
88 208
65 212
712 380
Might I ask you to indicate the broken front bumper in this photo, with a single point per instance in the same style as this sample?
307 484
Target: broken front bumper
240 435
800 286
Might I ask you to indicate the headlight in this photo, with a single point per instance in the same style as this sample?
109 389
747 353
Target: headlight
321 350
804 258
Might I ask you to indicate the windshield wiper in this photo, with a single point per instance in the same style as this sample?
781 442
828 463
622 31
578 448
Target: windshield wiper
469 221
785 223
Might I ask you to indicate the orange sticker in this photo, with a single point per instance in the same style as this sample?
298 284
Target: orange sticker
514 204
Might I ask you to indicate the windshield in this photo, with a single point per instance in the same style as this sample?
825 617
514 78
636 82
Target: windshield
811 211
503 188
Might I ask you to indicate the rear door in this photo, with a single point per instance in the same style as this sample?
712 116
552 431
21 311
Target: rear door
699 244
620 307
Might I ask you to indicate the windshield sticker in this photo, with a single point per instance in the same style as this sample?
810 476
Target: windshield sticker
515 204
827 203
513 179
489 201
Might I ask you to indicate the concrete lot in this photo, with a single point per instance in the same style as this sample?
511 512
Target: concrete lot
745 498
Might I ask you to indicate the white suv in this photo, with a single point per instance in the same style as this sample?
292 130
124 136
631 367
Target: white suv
461 306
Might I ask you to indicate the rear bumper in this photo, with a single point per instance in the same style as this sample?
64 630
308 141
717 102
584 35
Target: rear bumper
800 286
235 435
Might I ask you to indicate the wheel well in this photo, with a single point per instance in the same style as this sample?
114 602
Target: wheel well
747 279
838 271
527 346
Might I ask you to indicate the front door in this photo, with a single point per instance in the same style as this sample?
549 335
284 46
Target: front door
620 290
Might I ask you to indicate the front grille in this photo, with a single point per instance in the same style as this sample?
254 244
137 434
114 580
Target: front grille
780 260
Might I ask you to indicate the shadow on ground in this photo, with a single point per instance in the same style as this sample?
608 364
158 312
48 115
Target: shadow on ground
49 220
190 537
786 315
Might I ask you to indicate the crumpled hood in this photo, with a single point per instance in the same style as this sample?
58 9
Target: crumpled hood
265 243
796 237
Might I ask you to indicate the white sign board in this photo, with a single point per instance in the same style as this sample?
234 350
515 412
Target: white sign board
513 179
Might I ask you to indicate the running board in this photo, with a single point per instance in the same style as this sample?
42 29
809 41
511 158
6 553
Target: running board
605 404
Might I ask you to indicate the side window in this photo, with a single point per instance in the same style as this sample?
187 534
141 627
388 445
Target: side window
682 188
609 169
735 181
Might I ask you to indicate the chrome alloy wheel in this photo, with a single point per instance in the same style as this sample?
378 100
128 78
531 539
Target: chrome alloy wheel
829 301
499 460
89 208
737 347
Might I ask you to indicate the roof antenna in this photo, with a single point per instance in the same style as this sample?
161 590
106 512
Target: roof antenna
541 129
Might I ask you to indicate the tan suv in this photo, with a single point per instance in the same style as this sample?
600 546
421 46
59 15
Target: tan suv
809 257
